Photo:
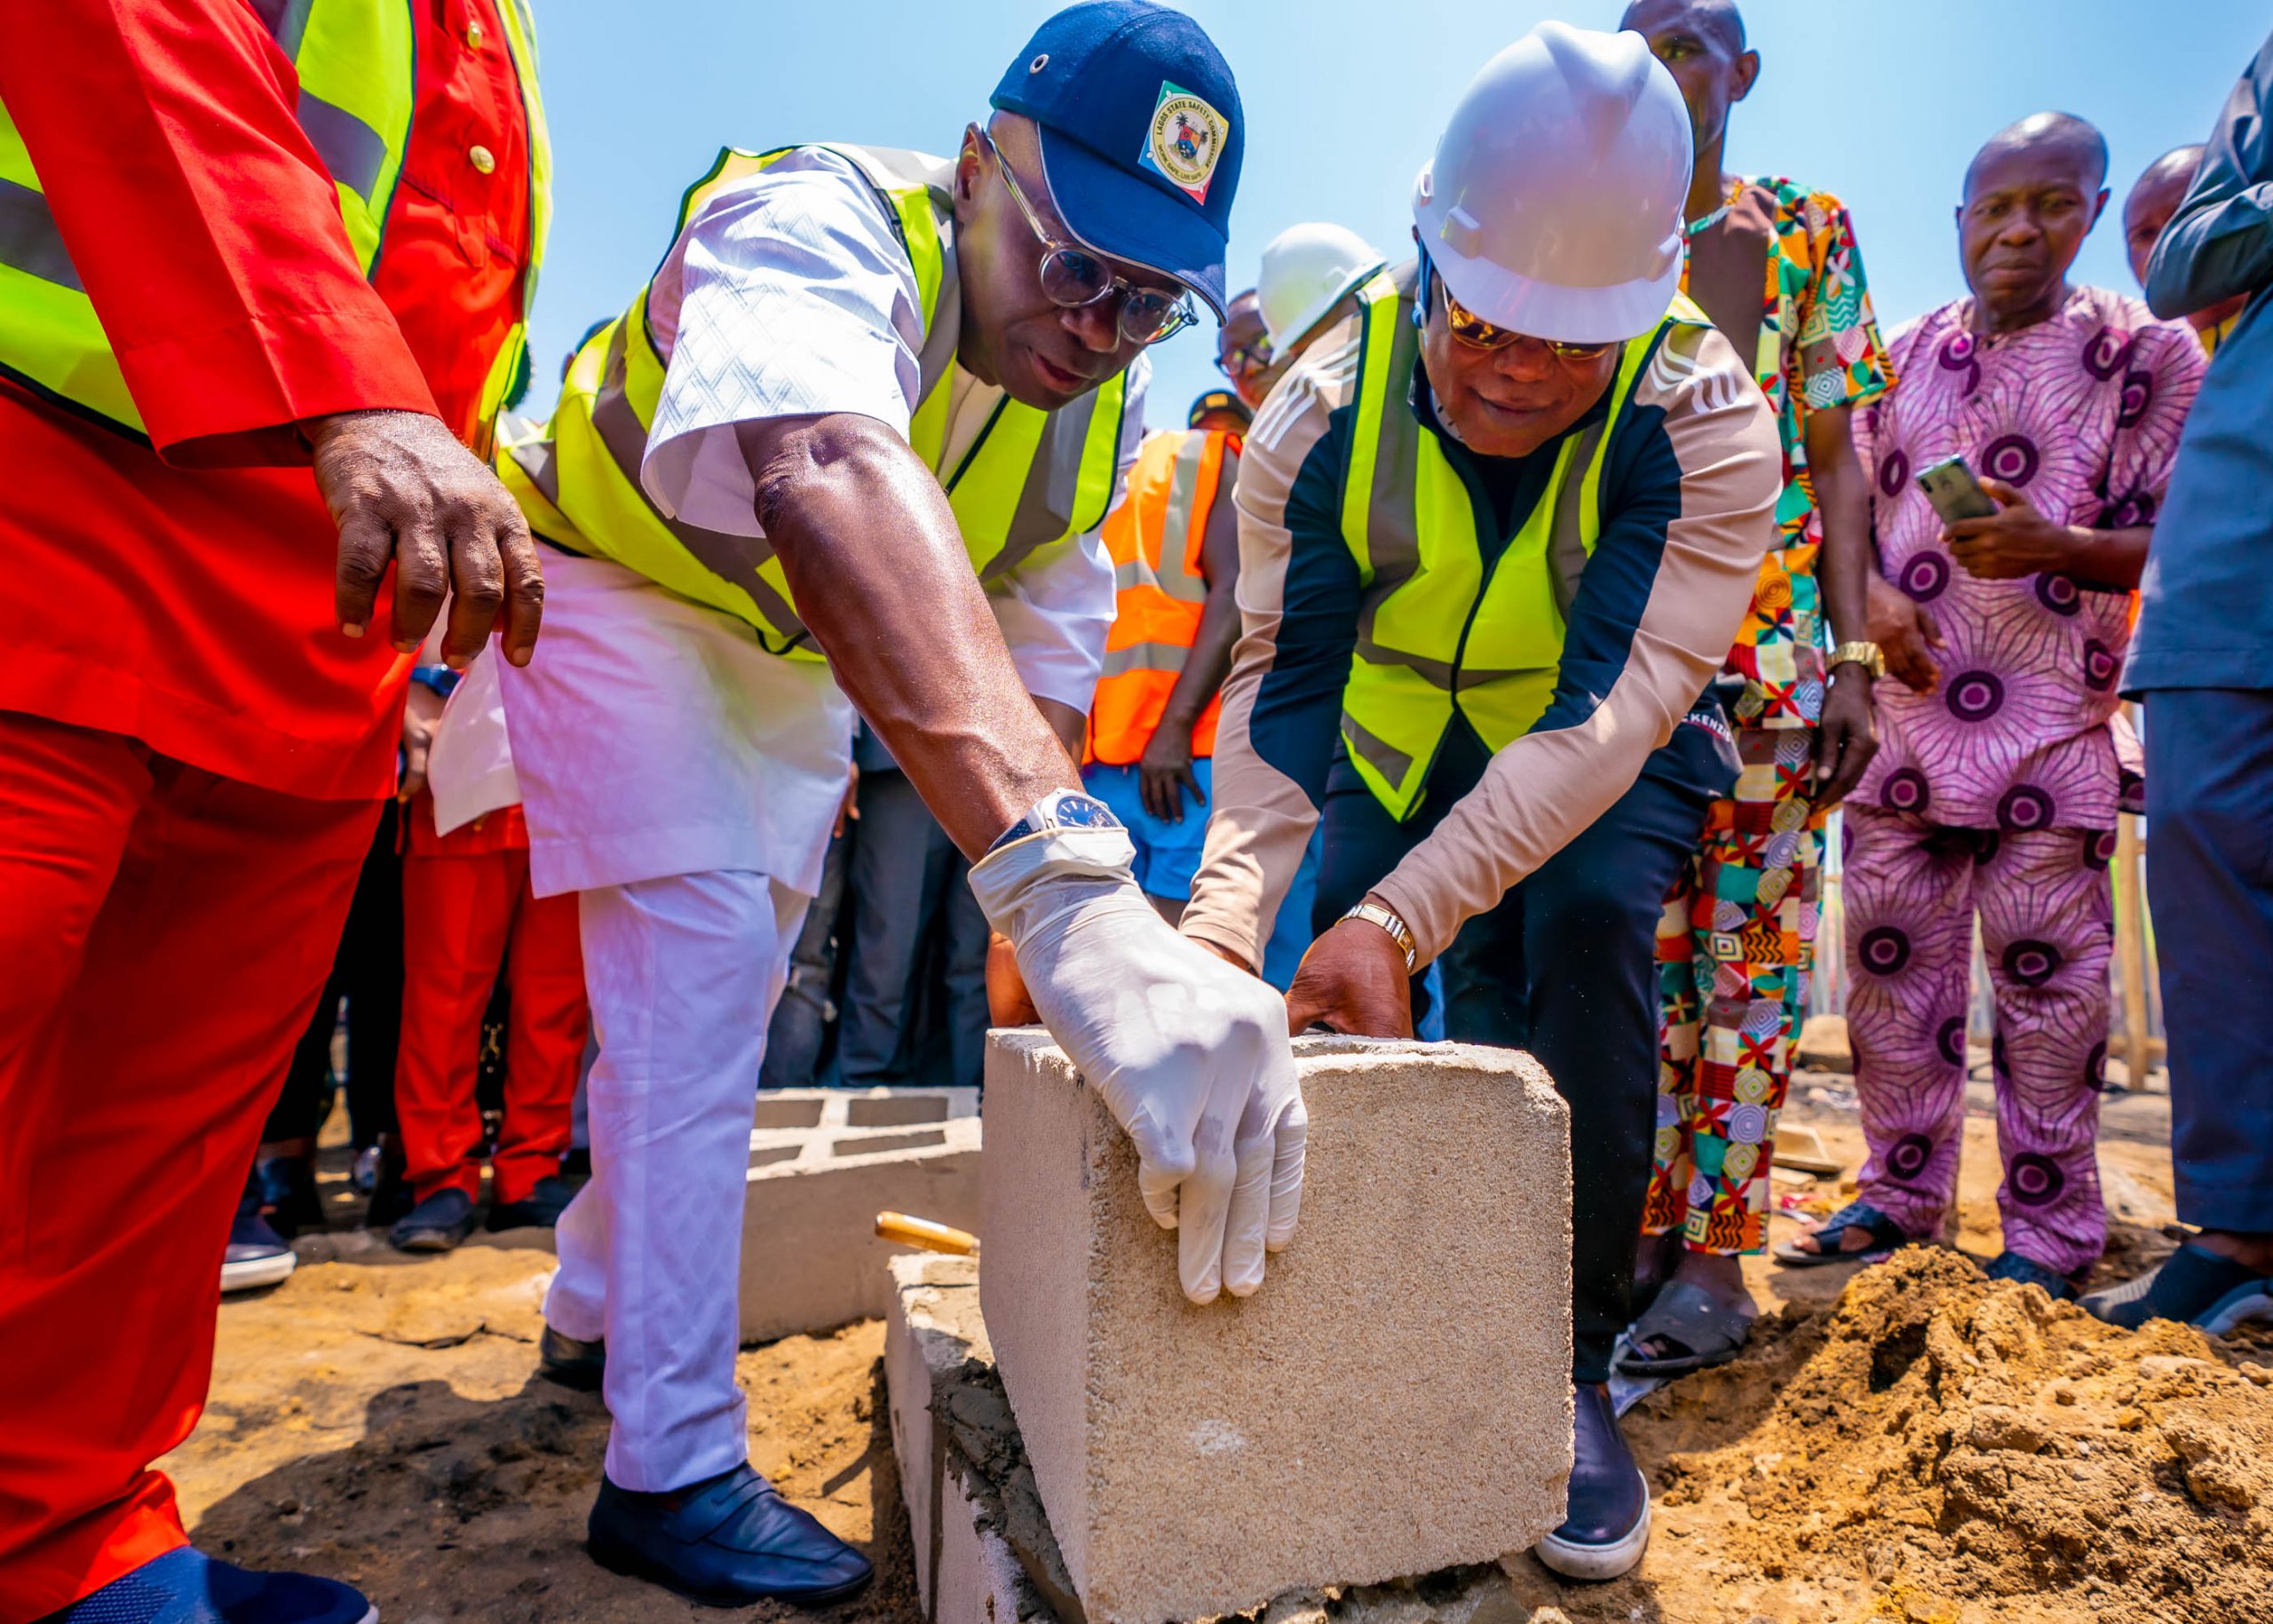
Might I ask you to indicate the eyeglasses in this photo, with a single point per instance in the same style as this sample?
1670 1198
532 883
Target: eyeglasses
1074 277
1245 359
1474 331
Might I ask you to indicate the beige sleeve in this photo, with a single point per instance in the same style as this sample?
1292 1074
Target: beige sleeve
1547 787
1261 822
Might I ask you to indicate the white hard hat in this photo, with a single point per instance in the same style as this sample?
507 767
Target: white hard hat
1554 203
1306 269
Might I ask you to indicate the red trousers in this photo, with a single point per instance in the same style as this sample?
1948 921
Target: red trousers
462 913
163 935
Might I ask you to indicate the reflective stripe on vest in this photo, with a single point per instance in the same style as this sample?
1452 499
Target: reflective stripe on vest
1436 631
355 60
1033 478
1154 538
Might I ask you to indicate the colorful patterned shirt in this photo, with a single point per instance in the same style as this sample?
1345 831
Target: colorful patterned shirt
2082 412
1814 345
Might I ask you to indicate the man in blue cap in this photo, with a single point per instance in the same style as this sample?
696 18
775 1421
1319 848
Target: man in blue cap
857 435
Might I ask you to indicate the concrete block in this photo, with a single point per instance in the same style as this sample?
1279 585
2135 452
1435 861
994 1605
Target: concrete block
1395 1400
948 1407
810 1259
798 1116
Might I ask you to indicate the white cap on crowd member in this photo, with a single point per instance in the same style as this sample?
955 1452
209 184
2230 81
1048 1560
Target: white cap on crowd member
1554 203
1306 270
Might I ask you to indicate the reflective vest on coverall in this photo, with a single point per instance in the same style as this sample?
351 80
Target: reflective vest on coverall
1154 539
358 87
1032 479
1437 631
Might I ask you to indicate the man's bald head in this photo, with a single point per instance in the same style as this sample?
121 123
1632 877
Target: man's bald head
2032 194
1719 18
2154 197
2044 138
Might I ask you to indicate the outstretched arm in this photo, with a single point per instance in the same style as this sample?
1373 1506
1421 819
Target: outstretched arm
881 577
1189 1055
2219 243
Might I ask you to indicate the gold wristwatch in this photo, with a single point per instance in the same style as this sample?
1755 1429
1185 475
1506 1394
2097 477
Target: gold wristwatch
1401 933
1868 655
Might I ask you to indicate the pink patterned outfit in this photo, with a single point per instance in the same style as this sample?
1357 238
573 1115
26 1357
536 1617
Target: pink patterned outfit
1997 792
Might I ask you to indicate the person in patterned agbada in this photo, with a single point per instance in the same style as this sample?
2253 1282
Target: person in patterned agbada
1776 265
1999 777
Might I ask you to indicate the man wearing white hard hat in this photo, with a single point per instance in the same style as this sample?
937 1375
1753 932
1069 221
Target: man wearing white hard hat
1501 525
1309 273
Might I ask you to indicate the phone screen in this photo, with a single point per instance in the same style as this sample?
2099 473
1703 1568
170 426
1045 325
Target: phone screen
1949 486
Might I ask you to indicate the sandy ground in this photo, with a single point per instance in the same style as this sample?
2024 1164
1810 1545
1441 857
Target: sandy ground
379 1419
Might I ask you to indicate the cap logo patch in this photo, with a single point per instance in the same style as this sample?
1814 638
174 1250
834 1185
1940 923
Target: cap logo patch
1184 141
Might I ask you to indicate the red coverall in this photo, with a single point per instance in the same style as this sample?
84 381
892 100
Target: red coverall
466 904
190 755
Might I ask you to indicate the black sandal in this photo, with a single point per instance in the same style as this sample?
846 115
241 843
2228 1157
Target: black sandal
1885 1235
1693 1330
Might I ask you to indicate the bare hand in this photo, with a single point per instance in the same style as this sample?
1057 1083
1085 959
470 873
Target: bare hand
1904 632
2015 541
1845 739
403 491
422 714
848 810
1164 773
1353 980
1008 1003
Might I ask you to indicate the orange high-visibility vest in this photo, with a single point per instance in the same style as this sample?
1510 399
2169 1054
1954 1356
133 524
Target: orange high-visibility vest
1153 536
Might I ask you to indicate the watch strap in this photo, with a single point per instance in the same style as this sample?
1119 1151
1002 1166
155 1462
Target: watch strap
1868 655
1401 933
1066 809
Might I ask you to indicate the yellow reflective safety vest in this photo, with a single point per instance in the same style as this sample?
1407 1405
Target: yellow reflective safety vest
1438 631
1032 479
358 87
1153 539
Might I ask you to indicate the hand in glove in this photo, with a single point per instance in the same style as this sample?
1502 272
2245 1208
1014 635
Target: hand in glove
1190 1054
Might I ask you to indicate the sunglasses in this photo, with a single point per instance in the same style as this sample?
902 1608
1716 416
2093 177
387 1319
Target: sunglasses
1247 357
1477 333
1072 278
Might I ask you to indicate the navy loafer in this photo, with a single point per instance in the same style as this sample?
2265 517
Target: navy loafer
437 1224
187 1587
561 1358
541 1210
1606 1519
727 1541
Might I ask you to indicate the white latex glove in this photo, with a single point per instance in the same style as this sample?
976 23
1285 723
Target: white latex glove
1190 1054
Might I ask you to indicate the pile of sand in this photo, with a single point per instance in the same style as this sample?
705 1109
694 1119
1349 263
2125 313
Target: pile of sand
1981 1451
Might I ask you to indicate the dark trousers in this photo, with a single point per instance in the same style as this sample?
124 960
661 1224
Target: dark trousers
366 970
905 875
800 1025
1564 967
2210 883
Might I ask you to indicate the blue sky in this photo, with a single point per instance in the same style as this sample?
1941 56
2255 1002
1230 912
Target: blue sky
1881 101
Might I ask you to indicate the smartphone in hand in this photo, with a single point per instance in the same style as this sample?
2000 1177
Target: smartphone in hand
1949 486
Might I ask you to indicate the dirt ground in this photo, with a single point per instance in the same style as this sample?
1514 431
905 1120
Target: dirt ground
1928 1450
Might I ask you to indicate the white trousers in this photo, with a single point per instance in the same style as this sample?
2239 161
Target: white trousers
683 973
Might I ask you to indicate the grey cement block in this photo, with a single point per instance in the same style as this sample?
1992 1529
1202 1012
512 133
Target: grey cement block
810 1259
1395 1400
947 1403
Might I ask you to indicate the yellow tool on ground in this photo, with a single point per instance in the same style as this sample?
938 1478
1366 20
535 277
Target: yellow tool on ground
926 1236
1801 1147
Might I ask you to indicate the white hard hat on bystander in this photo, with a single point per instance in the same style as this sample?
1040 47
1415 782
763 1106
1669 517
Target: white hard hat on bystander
1306 269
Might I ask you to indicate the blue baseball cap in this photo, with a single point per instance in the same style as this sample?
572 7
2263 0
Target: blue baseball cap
1142 135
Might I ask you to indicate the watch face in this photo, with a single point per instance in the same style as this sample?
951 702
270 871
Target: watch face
1082 812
